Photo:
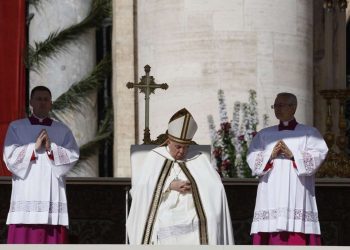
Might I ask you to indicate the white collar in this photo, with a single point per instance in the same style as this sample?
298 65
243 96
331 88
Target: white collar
285 123
40 119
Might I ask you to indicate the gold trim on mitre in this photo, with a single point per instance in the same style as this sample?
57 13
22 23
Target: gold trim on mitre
182 127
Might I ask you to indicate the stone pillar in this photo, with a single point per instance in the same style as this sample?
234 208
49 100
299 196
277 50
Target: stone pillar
68 67
320 69
198 47
123 72
329 58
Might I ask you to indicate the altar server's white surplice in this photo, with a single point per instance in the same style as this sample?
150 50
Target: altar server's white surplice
162 216
286 192
38 185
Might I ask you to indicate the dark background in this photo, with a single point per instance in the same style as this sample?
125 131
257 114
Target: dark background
97 209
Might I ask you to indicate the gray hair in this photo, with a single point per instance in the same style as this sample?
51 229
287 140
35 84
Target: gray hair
292 99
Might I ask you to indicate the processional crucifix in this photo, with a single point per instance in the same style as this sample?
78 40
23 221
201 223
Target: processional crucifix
147 86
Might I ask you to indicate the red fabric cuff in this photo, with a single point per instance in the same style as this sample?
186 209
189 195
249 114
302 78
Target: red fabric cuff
50 155
33 158
268 165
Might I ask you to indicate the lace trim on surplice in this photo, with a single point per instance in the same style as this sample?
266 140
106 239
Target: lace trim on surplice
258 162
38 206
62 155
308 162
20 156
293 214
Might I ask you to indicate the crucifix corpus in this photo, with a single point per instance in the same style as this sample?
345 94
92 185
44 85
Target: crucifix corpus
147 86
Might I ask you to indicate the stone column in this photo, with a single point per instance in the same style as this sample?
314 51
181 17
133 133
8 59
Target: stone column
68 67
123 72
330 58
198 47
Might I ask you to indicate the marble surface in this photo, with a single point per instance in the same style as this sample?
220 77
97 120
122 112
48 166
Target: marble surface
198 47
123 72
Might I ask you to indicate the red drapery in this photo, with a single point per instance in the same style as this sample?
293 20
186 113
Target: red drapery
12 71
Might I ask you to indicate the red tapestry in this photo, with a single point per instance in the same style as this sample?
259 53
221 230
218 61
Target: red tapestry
12 70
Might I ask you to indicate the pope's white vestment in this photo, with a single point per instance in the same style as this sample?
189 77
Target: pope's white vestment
286 192
38 184
162 216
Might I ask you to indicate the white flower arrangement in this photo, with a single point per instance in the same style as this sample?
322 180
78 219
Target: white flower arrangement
231 141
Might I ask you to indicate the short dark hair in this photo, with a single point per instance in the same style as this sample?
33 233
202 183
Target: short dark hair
291 97
39 88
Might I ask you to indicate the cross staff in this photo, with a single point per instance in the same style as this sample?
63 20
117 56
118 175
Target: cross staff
146 86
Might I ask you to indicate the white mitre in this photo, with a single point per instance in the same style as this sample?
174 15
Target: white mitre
182 127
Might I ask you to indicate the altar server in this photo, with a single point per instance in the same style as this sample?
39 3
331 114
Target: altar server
286 157
39 152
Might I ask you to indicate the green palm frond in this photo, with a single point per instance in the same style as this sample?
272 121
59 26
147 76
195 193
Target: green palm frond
104 134
58 41
77 93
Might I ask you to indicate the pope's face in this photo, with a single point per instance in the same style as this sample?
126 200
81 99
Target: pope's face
177 150
41 103
284 110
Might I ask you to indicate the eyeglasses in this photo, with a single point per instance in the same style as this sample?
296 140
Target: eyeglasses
280 105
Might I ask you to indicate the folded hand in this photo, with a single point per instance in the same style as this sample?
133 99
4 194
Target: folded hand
181 186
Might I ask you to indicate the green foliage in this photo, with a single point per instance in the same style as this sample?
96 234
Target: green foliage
77 93
231 142
104 133
243 165
224 151
58 41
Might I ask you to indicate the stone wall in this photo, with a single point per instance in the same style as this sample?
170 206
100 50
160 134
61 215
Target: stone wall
198 47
